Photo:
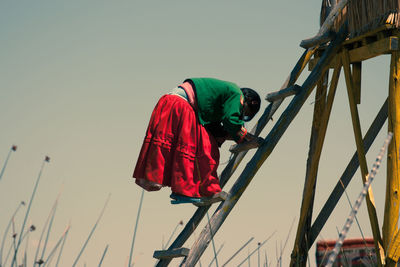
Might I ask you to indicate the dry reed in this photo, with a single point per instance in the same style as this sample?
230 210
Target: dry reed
364 15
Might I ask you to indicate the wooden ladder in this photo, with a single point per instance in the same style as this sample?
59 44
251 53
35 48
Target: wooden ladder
289 88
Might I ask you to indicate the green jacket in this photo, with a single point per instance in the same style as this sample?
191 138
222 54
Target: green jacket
220 101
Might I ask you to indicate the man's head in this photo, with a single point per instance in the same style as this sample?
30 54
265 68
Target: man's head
251 105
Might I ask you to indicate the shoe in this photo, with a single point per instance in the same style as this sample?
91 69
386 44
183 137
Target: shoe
180 199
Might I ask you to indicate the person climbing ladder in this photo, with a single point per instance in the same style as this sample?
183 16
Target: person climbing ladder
180 148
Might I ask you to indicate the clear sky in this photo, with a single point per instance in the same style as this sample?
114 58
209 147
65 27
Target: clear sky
79 80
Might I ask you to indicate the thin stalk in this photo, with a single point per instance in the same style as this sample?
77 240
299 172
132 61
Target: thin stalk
91 232
262 244
62 246
31 229
134 231
14 237
25 259
49 228
8 254
357 205
12 246
212 240
13 148
28 210
102 257
25 264
60 241
248 257
358 224
287 238
22 203
258 254
342 250
237 252
326 251
219 250
173 232
50 218
266 258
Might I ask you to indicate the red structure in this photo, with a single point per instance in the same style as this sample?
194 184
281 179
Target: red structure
354 252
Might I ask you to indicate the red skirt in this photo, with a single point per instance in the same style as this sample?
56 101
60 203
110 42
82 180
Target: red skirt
178 152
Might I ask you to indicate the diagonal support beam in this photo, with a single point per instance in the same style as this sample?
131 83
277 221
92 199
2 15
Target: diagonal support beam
265 150
313 161
347 175
361 157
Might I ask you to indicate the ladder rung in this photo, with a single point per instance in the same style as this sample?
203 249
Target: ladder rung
221 196
292 90
171 253
246 145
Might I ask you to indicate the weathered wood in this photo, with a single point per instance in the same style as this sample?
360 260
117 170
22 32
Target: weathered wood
347 175
171 253
322 113
221 196
374 49
362 159
306 209
368 51
234 162
264 151
244 146
371 33
356 72
394 249
292 90
391 214
326 27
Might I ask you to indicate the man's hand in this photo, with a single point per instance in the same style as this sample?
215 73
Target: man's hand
250 142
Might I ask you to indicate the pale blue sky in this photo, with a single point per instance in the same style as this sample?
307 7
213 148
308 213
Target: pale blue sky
80 79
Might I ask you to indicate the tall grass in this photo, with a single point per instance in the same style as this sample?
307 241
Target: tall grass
13 148
258 247
102 257
134 231
91 232
61 240
22 203
237 252
50 219
46 160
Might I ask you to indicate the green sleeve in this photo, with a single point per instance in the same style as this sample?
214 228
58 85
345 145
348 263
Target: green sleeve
231 121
